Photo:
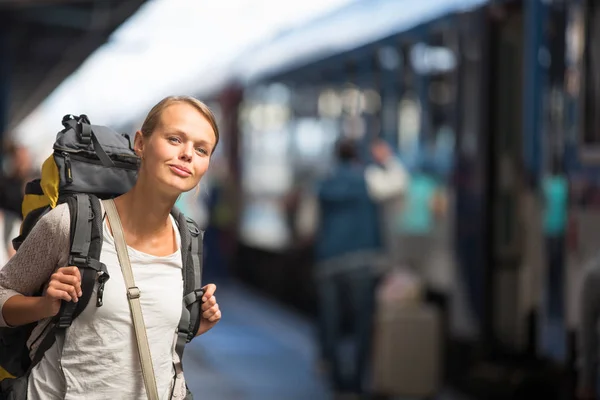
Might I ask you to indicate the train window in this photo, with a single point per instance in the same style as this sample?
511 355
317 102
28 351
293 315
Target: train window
388 63
408 111
329 103
591 89
435 62
409 125
265 126
317 110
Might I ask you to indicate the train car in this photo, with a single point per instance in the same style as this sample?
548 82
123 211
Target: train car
339 76
573 109
492 98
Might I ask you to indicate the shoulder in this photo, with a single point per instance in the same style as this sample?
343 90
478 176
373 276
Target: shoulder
58 214
57 220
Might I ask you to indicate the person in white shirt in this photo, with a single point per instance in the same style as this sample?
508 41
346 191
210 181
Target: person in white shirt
387 181
97 357
342 215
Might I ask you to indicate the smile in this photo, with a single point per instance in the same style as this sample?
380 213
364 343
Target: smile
181 171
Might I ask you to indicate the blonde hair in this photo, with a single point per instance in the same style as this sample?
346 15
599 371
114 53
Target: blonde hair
153 117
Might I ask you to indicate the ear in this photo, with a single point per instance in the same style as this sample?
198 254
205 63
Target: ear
138 144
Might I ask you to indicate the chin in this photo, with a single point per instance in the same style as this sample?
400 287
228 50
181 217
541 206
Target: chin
180 189
175 188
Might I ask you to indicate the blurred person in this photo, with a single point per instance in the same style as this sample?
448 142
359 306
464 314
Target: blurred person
220 219
95 359
300 254
10 226
348 244
388 180
555 190
545 236
424 203
18 170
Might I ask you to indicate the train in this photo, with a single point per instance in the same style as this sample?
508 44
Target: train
497 97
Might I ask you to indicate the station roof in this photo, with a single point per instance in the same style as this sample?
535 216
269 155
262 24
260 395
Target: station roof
351 26
197 47
47 40
167 47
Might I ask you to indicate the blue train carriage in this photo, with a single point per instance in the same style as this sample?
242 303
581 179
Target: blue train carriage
339 76
470 93
577 140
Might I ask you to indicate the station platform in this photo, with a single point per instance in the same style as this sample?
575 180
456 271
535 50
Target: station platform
259 351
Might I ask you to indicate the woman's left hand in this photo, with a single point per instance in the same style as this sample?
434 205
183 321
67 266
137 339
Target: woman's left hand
210 309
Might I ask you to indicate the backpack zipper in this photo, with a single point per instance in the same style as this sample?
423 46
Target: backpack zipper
74 156
75 152
68 172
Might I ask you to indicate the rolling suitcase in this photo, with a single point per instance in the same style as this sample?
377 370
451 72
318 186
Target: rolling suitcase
407 349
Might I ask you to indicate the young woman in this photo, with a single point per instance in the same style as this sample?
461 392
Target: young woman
97 357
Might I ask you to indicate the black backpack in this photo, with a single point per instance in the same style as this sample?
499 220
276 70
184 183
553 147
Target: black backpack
90 163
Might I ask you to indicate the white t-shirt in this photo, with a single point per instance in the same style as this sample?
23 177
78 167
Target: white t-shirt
99 357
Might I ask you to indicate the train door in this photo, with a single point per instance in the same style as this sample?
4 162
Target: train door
512 217
582 152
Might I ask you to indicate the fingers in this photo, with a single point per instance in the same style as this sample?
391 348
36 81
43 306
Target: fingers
210 308
65 284
61 291
213 314
70 271
209 303
73 280
209 291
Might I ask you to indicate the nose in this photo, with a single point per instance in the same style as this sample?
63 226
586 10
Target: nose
187 152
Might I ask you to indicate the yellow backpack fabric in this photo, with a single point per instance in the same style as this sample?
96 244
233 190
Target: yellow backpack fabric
42 192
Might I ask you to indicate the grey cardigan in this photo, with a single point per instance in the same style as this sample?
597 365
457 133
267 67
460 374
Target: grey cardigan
44 251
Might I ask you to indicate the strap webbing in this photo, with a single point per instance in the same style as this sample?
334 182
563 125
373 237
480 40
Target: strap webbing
191 251
133 295
86 135
81 236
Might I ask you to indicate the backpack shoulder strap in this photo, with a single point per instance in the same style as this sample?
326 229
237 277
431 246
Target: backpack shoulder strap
191 252
86 244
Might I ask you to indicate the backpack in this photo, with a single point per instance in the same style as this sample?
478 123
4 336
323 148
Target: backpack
89 163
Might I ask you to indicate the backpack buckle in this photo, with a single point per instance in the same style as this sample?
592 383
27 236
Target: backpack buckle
78 261
100 293
84 131
133 293
193 297
195 232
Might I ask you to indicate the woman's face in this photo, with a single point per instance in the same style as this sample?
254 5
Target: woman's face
177 154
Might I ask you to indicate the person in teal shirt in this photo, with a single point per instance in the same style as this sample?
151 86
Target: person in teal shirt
555 213
555 194
417 217
416 223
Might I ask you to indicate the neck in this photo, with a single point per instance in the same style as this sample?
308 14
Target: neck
143 211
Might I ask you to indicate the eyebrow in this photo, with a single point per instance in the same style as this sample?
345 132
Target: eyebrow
182 133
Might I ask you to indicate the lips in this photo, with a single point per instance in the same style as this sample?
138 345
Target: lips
180 170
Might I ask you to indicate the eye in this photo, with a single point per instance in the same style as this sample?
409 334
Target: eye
202 151
174 139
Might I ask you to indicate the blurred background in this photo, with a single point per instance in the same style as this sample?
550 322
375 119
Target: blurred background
478 119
